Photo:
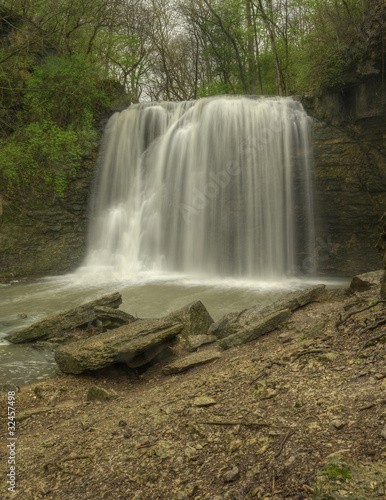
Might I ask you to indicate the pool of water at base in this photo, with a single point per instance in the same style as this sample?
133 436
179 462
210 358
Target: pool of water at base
144 296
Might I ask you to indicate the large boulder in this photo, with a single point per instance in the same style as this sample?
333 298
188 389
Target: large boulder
57 325
194 317
135 344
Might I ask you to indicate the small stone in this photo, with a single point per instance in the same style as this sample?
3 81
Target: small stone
287 337
328 356
98 394
269 393
383 432
231 475
338 424
234 446
289 461
204 401
22 316
191 453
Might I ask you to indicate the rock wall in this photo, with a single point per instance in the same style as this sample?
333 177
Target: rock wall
44 236
350 184
349 141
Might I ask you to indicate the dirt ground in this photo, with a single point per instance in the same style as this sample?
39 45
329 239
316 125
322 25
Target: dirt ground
259 422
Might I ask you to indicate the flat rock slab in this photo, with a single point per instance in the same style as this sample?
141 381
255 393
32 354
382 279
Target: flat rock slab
61 323
343 478
193 342
204 401
234 323
265 325
122 344
190 361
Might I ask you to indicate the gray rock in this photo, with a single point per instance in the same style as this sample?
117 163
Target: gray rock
235 322
99 394
343 478
258 329
194 317
113 318
63 322
155 353
338 424
204 401
193 342
190 361
366 281
231 475
224 327
124 344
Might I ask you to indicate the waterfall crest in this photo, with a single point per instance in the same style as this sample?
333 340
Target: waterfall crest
216 187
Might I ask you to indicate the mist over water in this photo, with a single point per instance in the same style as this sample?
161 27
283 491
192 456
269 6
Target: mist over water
219 187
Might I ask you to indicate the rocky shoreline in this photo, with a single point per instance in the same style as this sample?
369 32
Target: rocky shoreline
296 413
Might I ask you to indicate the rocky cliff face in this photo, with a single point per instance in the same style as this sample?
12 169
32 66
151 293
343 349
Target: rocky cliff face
349 141
40 236
350 193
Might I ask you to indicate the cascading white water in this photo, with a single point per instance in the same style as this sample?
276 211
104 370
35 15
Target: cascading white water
216 187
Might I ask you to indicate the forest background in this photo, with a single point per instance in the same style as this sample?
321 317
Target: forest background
64 63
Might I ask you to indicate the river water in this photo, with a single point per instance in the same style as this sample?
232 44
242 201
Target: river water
23 304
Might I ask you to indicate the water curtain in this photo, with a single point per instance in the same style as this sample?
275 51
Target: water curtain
215 187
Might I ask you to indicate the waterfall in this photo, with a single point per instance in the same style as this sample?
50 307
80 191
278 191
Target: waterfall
216 187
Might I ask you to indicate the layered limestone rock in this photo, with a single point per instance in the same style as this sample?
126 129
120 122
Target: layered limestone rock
136 343
238 328
59 324
42 236
348 138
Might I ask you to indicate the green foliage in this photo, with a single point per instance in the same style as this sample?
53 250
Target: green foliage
42 156
67 91
341 472
62 100
215 88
